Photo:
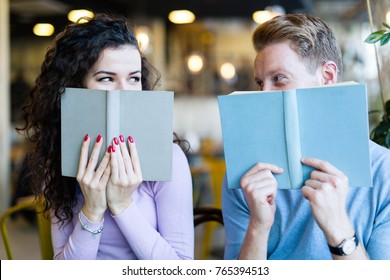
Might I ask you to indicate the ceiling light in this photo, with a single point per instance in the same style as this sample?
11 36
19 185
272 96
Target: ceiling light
195 62
143 37
75 15
43 29
227 71
181 16
262 16
269 12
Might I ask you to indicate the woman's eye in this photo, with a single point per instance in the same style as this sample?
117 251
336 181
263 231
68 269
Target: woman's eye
105 79
135 79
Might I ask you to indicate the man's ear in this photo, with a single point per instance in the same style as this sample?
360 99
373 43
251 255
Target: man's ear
329 72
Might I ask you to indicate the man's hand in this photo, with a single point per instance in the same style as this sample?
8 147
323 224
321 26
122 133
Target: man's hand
259 186
327 191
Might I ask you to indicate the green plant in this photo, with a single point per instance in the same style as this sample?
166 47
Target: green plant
381 35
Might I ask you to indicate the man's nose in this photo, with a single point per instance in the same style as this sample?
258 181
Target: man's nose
266 87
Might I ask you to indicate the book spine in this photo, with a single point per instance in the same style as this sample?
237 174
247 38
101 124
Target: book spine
113 115
293 142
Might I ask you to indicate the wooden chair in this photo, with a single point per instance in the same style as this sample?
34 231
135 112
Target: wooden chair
216 168
44 227
211 217
207 214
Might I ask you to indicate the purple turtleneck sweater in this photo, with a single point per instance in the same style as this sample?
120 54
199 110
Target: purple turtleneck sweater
157 225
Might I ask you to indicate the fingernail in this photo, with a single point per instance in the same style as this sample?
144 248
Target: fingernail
131 139
121 138
86 137
98 138
116 141
109 149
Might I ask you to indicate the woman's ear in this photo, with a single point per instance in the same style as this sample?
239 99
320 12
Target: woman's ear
329 72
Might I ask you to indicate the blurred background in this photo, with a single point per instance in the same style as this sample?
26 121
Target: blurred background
201 55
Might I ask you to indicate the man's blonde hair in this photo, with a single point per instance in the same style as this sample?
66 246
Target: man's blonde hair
308 35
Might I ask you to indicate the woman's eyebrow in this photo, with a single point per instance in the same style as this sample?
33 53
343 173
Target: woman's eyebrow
103 72
135 72
112 73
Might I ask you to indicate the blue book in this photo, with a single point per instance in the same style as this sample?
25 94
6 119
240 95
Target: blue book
281 127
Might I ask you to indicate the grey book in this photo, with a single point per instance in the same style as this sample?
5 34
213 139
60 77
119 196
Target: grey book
147 116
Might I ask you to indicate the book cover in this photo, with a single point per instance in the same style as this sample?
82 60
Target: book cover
281 127
147 116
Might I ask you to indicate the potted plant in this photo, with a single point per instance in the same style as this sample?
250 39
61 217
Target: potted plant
381 133
382 36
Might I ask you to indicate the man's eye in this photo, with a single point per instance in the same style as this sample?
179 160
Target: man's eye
260 83
277 78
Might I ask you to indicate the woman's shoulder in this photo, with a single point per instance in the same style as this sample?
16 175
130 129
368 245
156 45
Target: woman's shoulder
179 159
177 151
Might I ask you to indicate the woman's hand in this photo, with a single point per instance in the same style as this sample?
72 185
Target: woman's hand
327 191
93 183
259 186
126 175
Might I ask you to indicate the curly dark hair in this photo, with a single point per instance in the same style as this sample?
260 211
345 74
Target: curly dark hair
67 61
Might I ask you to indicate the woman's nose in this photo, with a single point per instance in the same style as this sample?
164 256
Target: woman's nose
120 85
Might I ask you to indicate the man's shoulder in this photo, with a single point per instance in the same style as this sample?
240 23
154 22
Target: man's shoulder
380 166
379 155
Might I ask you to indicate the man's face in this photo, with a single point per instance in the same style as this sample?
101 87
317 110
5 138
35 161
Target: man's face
278 67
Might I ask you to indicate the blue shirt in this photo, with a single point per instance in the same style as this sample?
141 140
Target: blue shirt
296 235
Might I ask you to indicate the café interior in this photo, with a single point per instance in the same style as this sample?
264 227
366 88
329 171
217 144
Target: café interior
201 55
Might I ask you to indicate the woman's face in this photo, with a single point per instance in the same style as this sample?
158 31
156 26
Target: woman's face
116 69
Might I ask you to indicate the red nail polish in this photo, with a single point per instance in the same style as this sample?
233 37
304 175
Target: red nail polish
86 137
121 138
99 138
109 149
116 141
131 139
